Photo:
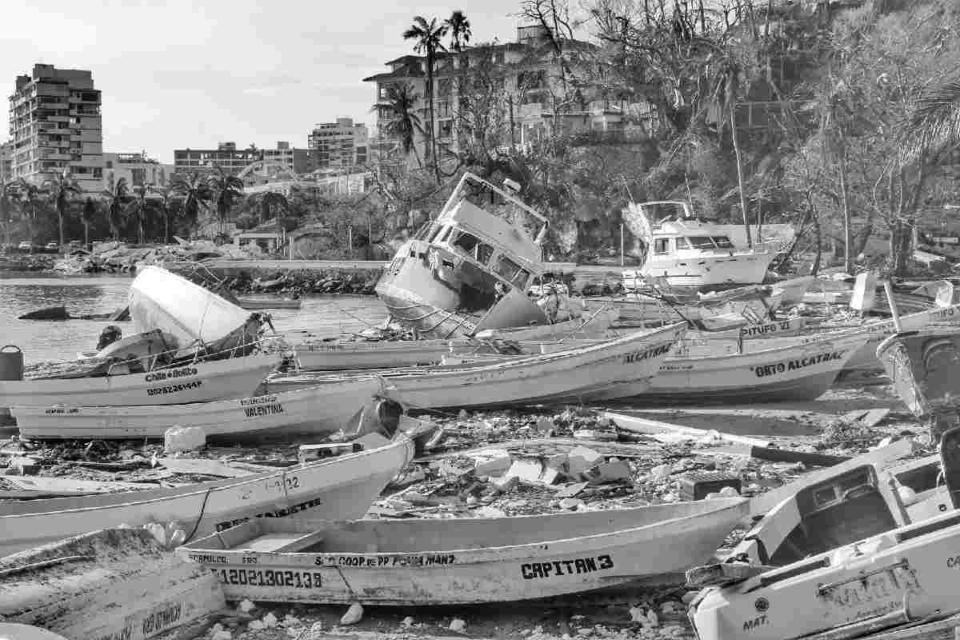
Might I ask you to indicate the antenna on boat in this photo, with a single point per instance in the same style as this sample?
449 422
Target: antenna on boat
689 207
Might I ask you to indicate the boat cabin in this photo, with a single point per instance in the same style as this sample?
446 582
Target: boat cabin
677 233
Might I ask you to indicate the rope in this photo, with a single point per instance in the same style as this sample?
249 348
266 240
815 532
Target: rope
203 508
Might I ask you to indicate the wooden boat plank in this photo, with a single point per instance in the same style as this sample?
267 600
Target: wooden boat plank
653 427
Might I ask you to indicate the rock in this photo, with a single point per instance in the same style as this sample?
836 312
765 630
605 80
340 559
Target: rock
290 621
178 438
408 621
729 492
353 615
457 625
571 490
246 606
505 483
269 621
255 625
580 459
661 472
550 475
638 614
571 504
217 632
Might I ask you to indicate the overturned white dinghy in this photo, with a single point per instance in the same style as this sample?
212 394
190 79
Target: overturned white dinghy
163 300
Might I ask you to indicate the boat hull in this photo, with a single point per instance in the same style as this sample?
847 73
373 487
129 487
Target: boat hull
159 299
469 564
925 369
311 411
197 382
336 356
873 580
337 488
702 270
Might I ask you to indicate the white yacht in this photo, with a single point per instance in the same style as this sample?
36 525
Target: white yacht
687 252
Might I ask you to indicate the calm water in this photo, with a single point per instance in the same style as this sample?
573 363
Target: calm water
43 340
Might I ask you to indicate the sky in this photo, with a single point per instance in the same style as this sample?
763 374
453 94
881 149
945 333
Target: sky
176 74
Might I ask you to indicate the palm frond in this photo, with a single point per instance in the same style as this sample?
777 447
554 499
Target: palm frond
936 120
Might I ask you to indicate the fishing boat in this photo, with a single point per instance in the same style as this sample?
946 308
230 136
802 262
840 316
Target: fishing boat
336 488
182 382
685 251
159 299
796 370
469 268
573 374
461 561
310 411
922 365
115 583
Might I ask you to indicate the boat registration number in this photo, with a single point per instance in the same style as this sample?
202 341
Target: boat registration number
866 590
270 578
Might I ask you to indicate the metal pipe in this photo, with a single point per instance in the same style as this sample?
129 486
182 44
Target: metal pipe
888 289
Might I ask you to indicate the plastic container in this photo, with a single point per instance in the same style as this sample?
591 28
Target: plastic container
11 363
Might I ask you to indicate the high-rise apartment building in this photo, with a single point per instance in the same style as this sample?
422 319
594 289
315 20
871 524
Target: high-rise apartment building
339 145
225 156
56 128
137 168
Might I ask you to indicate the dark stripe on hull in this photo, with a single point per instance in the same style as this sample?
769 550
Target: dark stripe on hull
808 388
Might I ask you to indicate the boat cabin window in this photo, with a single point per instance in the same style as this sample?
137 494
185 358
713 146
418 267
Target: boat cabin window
437 233
723 242
661 245
471 245
512 272
701 242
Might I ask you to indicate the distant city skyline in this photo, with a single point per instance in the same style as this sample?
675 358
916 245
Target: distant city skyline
178 74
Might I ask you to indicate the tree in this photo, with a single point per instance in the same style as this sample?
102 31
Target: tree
88 214
429 41
268 201
115 210
29 198
196 195
403 122
459 28
137 208
165 194
61 189
936 120
8 196
226 189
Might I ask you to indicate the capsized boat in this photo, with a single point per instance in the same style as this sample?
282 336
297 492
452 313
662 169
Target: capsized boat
163 300
335 488
182 382
579 372
114 583
468 269
685 251
462 561
922 365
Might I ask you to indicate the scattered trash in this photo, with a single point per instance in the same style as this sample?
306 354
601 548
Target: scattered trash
177 439
353 615
457 625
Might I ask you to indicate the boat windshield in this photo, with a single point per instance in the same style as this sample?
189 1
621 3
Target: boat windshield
473 247
511 272
723 242
701 243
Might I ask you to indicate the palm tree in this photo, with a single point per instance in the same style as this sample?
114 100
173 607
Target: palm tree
61 189
429 40
403 123
227 189
29 199
165 194
936 119
115 210
459 28
269 200
195 193
88 215
137 208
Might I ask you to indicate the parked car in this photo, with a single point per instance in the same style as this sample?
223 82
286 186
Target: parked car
52 246
25 246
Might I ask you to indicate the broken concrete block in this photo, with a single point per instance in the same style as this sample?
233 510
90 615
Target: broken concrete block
505 484
526 470
580 459
457 625
492 462
613 471
570 503
550 475
571 490
557 461
178 438
24 466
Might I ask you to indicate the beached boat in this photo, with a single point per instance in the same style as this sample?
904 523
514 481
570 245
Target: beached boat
159 299
684 251
462 561
469 268
922 365
177 384
907 574
115 583
576 373
795 370
309 411
152 348
336 488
